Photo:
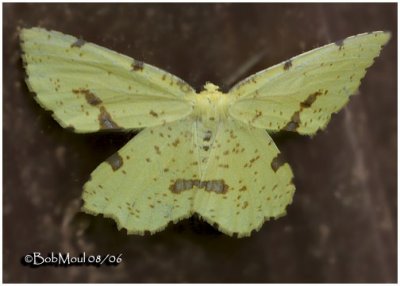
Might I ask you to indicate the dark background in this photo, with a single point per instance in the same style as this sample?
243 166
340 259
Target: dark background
341 226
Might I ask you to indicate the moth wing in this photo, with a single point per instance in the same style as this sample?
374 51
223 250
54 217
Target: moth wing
135 185
91 88
246 180
302 93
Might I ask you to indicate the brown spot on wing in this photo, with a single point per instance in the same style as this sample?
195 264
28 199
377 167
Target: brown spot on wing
90 97
294 122
277 162
251 162
78 43
217 186
105 120
257 115
310 100
115 161
287 65
176 142
207 135
153 113
137 65
157 150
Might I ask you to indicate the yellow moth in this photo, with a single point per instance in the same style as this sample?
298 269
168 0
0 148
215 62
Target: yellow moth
206 153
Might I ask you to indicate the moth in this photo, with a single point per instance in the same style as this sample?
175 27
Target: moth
207 153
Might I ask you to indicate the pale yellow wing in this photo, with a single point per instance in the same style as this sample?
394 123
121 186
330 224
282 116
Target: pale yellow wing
302 93
90 88
141 186
246 180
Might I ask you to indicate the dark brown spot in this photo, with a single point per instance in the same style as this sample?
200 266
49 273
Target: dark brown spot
310 100
294 122
115 161
137 65
242 189
254 159
217 186
277 162
90 97
78 43
258 114
205 148
207 135
176 143
251 162
153 113
157 150
105 120
287 65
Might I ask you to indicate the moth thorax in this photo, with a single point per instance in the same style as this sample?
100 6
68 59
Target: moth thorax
211 104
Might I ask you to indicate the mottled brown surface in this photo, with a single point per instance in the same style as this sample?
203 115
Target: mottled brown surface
341 226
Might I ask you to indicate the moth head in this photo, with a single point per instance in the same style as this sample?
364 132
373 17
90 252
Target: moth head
211 103
210 87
